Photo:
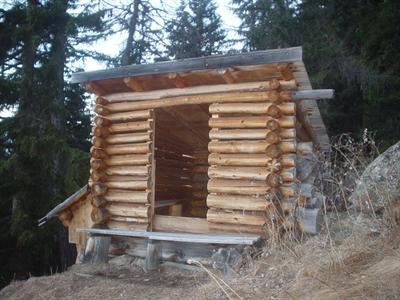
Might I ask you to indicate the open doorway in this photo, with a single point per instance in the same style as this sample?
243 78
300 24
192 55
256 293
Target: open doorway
181 153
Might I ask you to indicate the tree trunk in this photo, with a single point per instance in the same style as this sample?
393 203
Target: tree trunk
126 56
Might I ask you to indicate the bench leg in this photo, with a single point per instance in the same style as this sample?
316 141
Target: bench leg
153 255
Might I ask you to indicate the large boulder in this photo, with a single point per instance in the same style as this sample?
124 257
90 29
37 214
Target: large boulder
379 185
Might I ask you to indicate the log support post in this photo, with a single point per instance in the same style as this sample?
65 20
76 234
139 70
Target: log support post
97 248
153 255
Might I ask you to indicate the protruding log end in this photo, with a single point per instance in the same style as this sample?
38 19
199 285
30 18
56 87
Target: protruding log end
97 164
272 124
272 137
101 131
98 201
285 95
99 142
274 96
274 111
99 215
273 151
101 101
101 121
99 189
274 84
101 110
98 176
274 180
98 153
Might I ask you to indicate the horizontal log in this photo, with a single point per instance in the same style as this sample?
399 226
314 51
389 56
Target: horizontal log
272 96
113 195
220 216
244 122
288 174
130 126
239 159
241 187
289 189
269 109
287 122
129 116
128 210
133 226
136 220
125 138
245 134
245 146
128 185
202 90
287 133
101 121
288 160
134 148
128 160
241 202
288 146
228 172
128 170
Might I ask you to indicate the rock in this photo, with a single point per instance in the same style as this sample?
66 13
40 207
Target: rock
379 184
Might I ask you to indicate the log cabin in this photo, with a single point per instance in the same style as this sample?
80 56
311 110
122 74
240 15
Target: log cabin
211 151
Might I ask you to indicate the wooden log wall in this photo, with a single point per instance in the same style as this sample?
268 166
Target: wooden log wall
199 184
121 168
252 161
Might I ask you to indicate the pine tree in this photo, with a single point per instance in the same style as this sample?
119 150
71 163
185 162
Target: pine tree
196 30
44 155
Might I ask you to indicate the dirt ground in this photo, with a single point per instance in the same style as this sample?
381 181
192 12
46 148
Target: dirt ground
354 257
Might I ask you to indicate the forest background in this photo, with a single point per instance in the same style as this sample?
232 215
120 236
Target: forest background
350 46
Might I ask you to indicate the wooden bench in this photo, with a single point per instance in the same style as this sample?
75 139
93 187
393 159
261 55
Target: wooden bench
101 239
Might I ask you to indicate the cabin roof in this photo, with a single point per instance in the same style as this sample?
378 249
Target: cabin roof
274 56
74 198
254 66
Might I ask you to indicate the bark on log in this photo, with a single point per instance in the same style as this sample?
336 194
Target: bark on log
287 133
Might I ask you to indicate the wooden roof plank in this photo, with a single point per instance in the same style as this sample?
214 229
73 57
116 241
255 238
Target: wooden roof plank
189 64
